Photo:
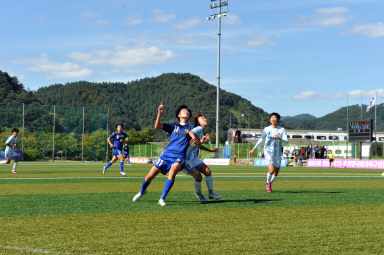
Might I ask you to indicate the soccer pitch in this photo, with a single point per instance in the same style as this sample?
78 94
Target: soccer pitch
71 208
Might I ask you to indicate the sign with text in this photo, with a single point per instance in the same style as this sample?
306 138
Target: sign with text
262 162
217 161
347 163
360 131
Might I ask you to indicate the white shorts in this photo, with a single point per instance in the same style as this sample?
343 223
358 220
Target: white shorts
9 154
190 164
271 160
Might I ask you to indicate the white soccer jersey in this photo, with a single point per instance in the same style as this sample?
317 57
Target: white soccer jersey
272 146
192 150
12 140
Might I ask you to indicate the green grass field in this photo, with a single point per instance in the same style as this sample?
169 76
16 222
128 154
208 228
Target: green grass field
70 208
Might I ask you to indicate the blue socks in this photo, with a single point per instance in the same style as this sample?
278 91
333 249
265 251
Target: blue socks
121 166
108 164
167 187
144 186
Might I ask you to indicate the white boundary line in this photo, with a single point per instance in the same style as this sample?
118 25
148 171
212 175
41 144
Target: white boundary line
186 176
43 251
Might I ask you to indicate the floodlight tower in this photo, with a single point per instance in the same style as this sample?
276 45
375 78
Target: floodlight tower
218 4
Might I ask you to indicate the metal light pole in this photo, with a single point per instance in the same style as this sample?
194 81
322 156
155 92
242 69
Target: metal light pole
218 4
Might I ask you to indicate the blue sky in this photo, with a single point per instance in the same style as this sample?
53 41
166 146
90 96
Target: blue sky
292 57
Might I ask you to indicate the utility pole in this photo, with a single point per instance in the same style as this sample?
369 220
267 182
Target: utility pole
218 4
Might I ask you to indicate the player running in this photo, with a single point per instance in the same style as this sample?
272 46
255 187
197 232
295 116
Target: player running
172 159
10 146
194 166
274 136
117 146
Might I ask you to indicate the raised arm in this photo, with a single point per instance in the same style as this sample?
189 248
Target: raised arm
160 110
206 149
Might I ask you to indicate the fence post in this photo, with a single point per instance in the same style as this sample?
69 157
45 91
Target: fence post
82 141
53 134
22 141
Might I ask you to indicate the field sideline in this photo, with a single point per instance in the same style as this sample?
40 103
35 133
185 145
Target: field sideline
70 208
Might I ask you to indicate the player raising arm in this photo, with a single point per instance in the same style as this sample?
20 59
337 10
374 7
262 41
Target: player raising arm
273 135
172 159
10 146
117 146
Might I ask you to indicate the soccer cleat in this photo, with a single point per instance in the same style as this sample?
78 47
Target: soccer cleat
201 197
162 202
268 186
123 173
214 196
137 196
104 170
14 172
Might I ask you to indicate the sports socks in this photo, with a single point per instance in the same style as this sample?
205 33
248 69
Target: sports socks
3 162
197 186
269 177
14 167
108 164
122 166
167 187
144 186
209 181
273 178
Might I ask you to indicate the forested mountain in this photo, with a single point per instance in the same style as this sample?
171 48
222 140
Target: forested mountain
135 103
11 91
338 119
304 116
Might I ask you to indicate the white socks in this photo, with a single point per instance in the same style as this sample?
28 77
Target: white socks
14 167
197 187
269 177
273 178
3 162
209 181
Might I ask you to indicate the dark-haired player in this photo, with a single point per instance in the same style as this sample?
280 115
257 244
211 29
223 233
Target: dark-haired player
273 135
117 146
172 159
9 153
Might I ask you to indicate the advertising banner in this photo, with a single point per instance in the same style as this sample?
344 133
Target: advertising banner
217 161
347 163
262 162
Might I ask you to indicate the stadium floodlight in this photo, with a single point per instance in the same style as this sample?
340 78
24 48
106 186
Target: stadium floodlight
221 13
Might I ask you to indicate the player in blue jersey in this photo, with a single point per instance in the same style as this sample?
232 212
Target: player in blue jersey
172 159
9 153
126 152
117 146
194 166
273 135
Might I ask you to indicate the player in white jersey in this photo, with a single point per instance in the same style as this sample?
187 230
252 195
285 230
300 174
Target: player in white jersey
274 136
10 146
193 165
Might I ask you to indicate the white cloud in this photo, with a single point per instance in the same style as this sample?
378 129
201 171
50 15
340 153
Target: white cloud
53 69
332 16
188 23
232 19
332 10
133 19
257 41
127 58
373 30
308 95
90 14
161 16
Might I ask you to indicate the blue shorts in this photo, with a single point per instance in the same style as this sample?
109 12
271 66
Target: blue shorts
126 155
116 152
165 163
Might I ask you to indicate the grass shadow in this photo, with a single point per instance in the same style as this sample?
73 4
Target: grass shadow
308 192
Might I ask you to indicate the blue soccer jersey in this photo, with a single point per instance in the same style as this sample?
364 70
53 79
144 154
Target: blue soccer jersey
118 141
179 139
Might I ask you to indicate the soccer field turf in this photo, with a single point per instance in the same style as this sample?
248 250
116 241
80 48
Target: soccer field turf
71 208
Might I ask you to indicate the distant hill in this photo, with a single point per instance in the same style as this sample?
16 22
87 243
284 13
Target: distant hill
12 91
135 103
304 116
338 119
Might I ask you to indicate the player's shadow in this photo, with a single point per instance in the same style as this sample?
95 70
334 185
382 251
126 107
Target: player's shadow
308 192
222 201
